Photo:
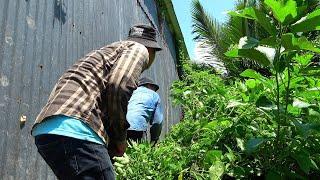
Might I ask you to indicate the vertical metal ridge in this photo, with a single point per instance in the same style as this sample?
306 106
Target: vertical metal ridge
82 28
48 63
3 31
12 117
2 50
26 107
24 21
66 39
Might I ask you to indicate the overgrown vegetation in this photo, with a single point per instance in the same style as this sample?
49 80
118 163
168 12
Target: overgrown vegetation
248 128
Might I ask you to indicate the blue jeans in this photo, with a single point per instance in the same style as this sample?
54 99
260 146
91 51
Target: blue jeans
71 158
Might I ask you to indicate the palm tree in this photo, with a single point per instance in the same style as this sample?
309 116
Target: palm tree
217 37
208 31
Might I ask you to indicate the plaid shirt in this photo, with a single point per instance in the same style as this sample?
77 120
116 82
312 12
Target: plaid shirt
97 88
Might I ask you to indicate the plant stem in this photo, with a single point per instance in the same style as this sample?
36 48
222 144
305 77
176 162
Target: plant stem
277 58
278 106
287 90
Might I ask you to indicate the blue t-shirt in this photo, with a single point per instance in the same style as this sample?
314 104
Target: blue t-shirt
67 126
143 108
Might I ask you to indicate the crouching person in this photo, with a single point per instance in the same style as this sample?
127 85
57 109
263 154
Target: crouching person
144 108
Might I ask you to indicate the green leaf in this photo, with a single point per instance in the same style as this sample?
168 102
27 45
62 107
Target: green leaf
258 16
216 170
307 128
252 54
304 59
253 144
279 64
251 83
294 110
289 42
284 11
180 177
230 155
309 23
311 71
314 114
238 172
304 160
273 175
312 127
250 73
263 101
213 155
245 13
314 165
224 123
269 41
211 125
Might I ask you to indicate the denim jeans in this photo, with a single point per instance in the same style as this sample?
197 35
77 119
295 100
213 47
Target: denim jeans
71 158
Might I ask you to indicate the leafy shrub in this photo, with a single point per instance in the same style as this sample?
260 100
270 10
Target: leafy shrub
247 128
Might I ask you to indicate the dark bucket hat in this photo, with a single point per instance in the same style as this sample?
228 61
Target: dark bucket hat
145 80
144 34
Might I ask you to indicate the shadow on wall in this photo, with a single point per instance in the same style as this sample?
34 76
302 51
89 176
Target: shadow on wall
60 13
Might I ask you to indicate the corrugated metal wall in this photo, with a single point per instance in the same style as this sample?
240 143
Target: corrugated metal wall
39 40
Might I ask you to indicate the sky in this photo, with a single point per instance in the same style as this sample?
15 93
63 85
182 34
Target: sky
216 8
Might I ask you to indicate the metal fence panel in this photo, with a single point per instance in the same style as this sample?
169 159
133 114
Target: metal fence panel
39 40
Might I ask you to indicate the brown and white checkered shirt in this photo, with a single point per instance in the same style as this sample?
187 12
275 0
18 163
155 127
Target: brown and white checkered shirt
97 88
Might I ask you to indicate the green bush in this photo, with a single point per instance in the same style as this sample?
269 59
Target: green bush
245 128
231 131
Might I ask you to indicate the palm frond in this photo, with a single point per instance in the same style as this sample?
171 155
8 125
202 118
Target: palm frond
216 38
204 55
206 28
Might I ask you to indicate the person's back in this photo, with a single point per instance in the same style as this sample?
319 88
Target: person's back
87 79
144 108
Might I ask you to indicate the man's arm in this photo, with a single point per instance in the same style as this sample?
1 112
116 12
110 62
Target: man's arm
156 127
121 83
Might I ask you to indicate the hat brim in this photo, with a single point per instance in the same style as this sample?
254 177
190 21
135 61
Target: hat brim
154 85
146 42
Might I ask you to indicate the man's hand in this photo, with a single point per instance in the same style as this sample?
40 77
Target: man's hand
117 148
121 148
154 142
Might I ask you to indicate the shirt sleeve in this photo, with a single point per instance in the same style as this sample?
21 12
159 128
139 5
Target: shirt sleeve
122 80
156 127
158 114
